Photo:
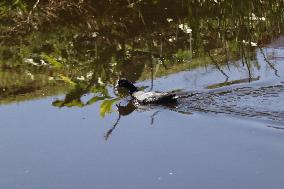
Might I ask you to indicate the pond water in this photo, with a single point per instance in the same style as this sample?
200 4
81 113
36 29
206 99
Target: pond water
64 125
43 146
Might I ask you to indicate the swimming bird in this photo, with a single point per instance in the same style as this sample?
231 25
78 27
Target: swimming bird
143 97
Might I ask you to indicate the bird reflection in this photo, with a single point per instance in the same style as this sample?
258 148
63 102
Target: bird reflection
108 133
126 110
122 111
131 106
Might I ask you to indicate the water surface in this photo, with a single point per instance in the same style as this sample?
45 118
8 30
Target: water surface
64 125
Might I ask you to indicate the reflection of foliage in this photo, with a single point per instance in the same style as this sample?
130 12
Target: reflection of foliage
6 5
52 61
124 30
94 100
88 44
73 99
80 89
67 80
70 103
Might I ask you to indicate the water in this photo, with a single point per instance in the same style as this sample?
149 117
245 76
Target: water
262 98
67 147
64 125
43 146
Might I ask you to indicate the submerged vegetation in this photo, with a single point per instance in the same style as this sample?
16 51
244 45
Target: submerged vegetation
82 46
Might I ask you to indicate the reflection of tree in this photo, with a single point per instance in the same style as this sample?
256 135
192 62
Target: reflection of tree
73 99
125 38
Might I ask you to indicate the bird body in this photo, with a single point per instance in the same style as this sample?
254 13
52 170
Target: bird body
153 97
150 97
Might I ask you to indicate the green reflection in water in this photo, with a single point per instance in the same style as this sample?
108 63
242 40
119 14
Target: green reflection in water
79 47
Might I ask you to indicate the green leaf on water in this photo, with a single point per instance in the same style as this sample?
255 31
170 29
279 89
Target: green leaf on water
106 106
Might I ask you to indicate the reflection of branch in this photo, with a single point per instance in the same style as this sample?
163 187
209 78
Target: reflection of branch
217 65
161 57
268 62
153 117
248 66
34 7
227 55
142 18
163 62
107 135
245 62
242 55
152 75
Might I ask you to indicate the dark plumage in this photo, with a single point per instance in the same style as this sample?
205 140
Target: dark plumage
143 97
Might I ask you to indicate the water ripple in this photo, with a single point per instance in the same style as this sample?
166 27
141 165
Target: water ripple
256 102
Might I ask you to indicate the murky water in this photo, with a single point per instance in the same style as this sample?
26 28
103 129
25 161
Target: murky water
64 125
